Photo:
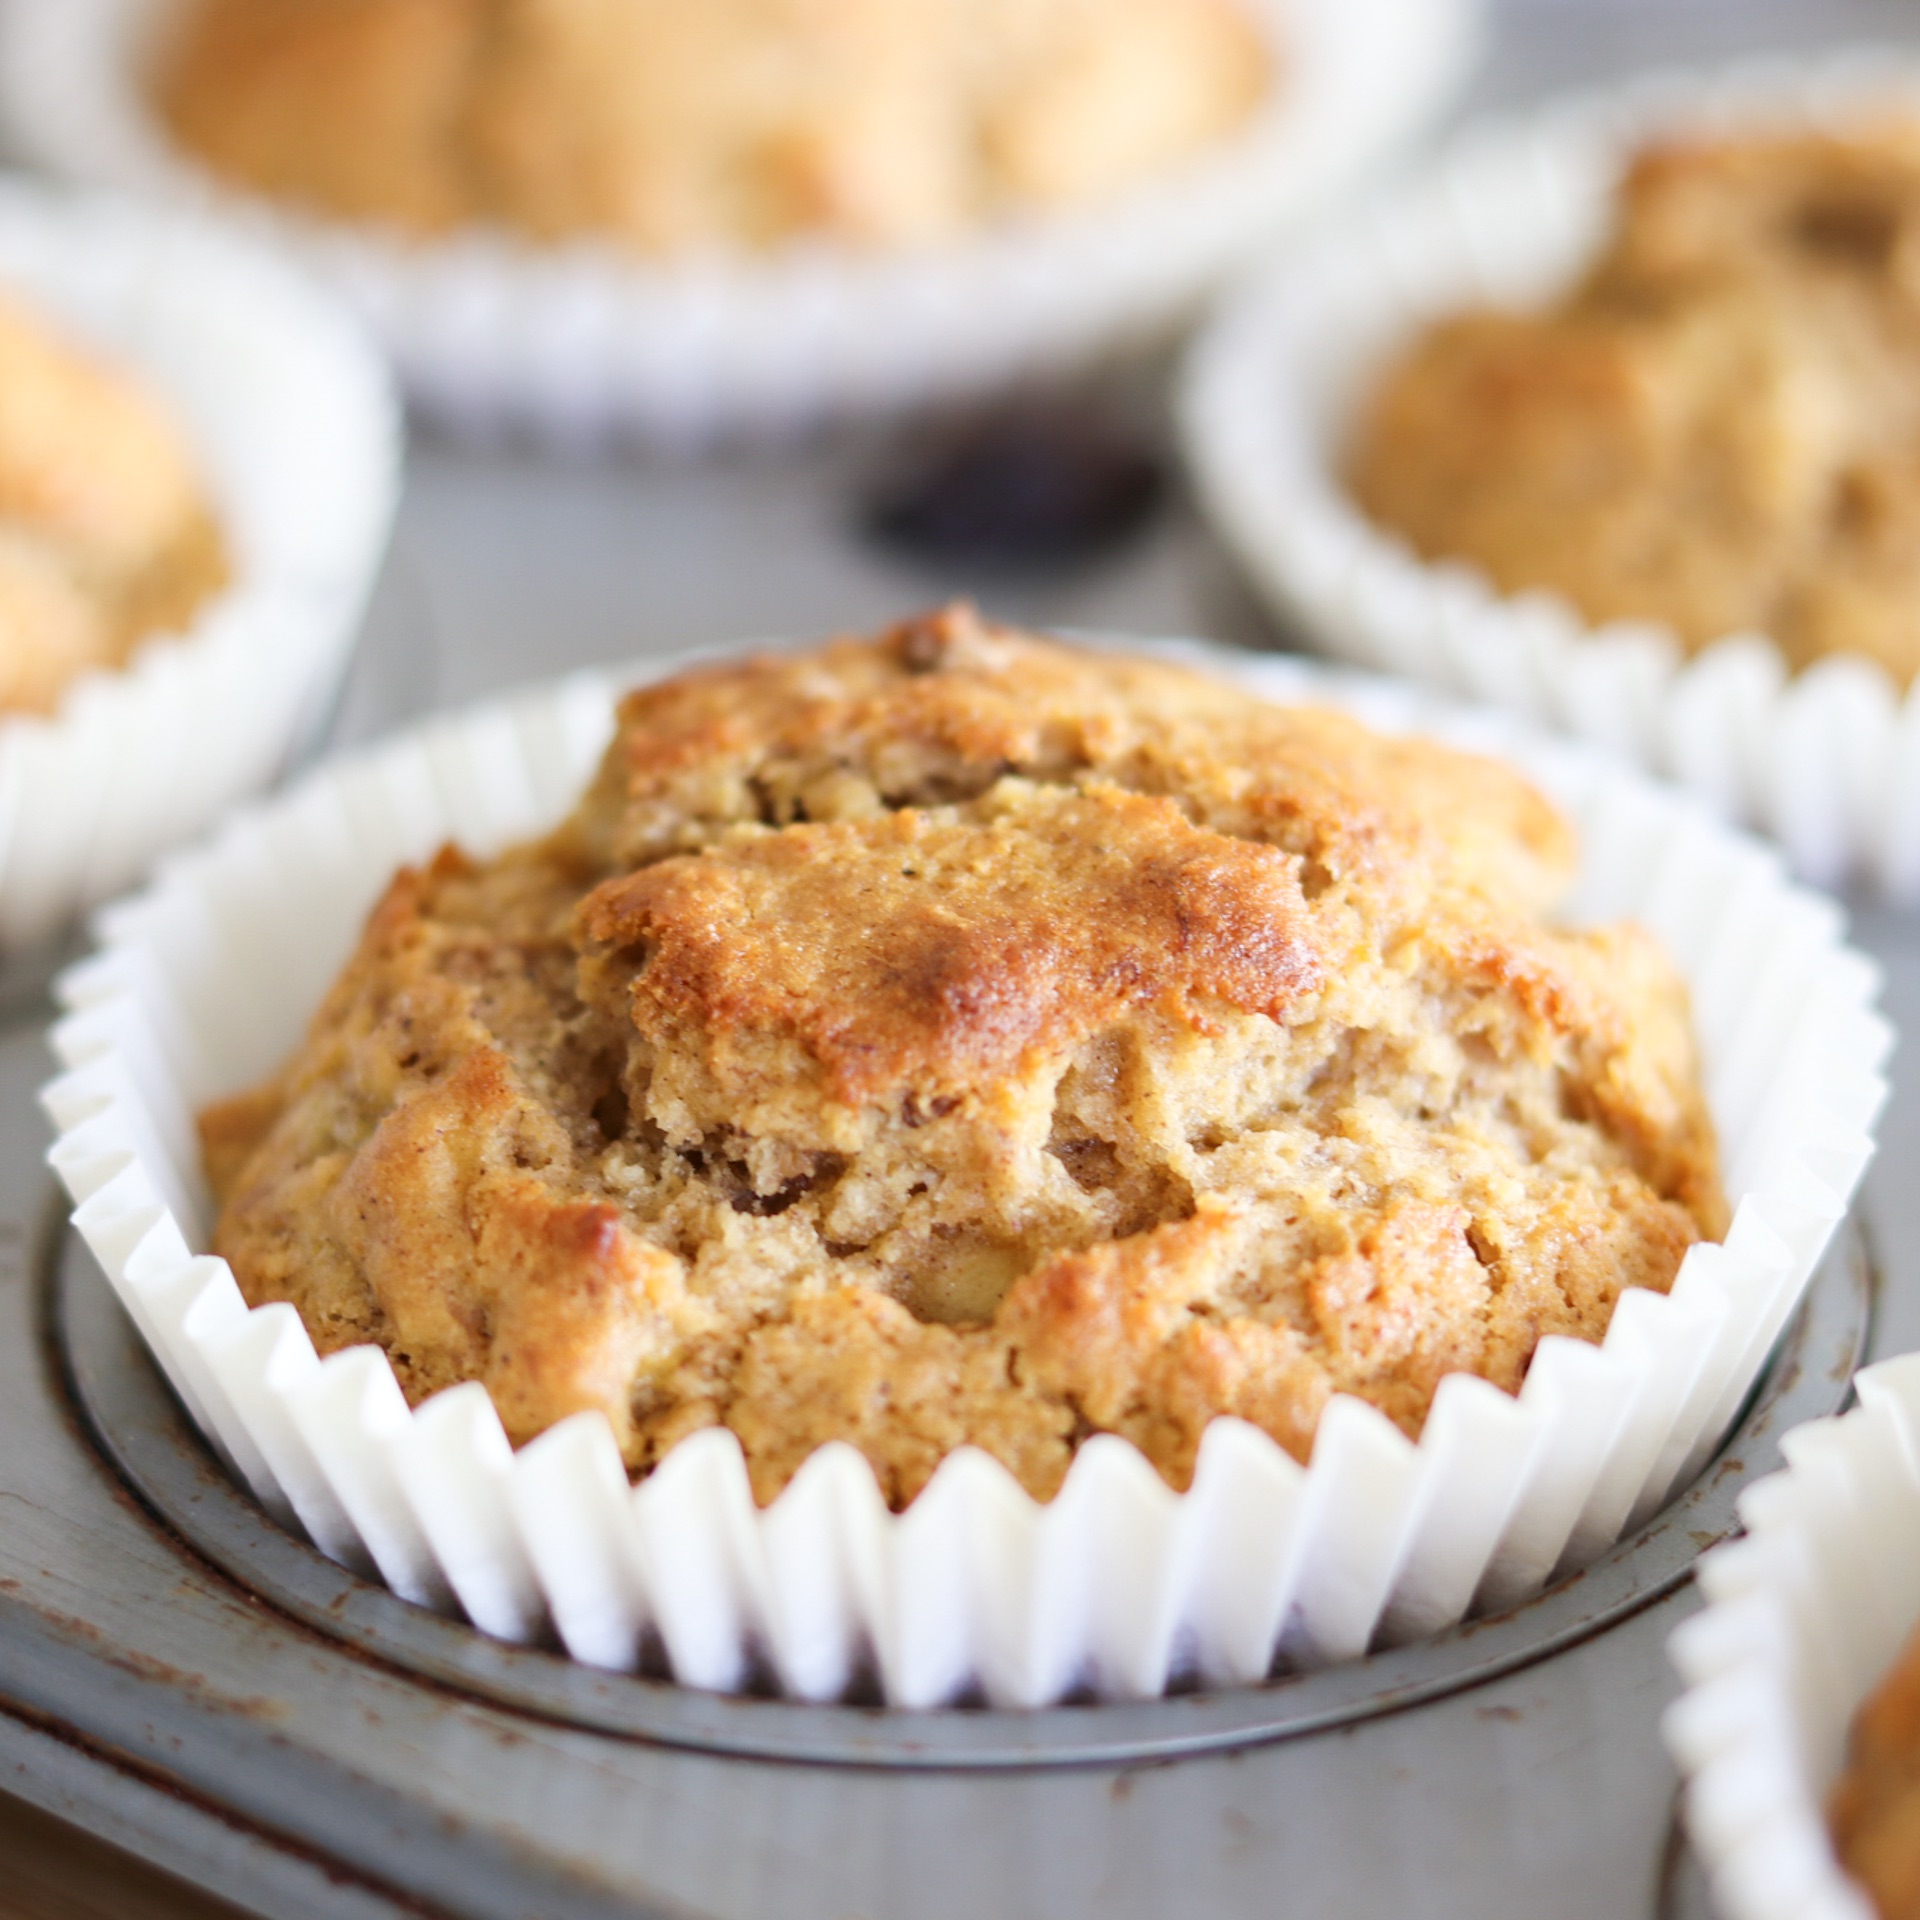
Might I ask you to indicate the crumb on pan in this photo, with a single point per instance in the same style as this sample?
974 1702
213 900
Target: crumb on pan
955 1037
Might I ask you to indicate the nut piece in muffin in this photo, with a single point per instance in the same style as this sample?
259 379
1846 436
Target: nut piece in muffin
1875 1810
1717 429
105 533
956 1038
667 125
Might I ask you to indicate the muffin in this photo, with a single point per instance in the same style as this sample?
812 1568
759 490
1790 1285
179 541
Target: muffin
1797 1733
1875 1808
106 534
667 127
1717 428
953 1038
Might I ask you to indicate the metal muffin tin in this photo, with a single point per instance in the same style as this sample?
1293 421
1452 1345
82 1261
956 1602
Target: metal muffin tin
183 1679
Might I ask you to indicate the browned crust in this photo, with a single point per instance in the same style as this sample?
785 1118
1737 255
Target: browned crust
972 950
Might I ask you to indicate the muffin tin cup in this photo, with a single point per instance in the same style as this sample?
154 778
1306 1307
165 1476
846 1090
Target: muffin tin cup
1827 761
578 342
1805 1616
1118 1587
297 436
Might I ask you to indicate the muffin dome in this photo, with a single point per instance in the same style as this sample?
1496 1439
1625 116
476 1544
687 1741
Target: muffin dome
955 1038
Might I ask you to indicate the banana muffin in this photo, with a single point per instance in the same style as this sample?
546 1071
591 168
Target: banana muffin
105 533
1717 428
956 1038
1876 1806
667 125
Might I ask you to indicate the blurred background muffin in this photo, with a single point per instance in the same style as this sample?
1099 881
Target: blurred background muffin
670 126
199 460
106 534
1876 1836
1716 428
601 219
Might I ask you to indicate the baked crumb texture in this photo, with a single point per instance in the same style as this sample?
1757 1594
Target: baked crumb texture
1875 1812
1717 429
105 534
954 1038
668 124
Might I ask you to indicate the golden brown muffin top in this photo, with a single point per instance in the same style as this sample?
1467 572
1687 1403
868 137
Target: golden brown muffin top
105 532
955 1037
1717 429
669 125
1035 922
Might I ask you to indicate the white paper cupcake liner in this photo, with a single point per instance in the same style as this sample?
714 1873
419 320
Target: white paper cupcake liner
298 439
1806 1615
204 983
1827 761
576 342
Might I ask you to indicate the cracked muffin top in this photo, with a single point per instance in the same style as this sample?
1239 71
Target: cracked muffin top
1718 428
106 535
669 125
956 1038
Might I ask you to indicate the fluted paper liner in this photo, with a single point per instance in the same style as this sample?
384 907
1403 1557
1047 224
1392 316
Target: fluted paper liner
1805 1617
1828 761
297 436
576 341
203 984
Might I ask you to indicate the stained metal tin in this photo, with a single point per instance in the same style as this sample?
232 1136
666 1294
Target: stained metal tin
180 1677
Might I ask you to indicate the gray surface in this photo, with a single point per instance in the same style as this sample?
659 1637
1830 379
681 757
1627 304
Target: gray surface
155 1824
